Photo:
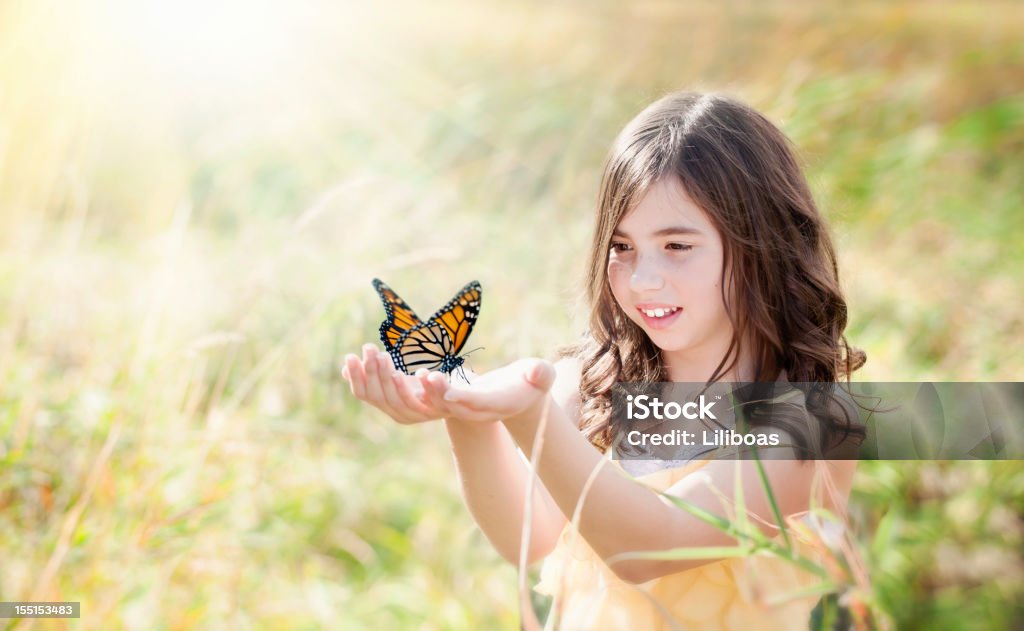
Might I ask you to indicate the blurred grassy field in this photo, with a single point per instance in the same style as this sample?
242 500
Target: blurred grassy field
193 201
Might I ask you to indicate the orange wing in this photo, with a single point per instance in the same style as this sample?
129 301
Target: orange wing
460 314
400 317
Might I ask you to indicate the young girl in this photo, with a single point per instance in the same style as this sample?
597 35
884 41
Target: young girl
710 263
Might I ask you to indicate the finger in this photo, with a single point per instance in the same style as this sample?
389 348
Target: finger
356 376
474 398
434 386
458 399
385 372
404 386
374 394
421 376
463 410
433 393
369 350
540 374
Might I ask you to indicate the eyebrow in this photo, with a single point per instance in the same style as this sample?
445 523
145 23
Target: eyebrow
664 232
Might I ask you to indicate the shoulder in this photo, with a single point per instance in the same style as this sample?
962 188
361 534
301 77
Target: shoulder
566 389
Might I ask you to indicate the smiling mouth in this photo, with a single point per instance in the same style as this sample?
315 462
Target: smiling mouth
660 312
660 317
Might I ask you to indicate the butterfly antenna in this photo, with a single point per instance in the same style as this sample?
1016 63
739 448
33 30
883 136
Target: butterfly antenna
478 348
462 373
463 370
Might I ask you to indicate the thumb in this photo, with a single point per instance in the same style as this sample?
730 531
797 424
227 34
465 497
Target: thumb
539 374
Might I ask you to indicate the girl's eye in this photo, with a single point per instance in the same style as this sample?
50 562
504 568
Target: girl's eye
682 247
620 247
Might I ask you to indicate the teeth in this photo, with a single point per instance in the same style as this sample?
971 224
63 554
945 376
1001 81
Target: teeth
659 313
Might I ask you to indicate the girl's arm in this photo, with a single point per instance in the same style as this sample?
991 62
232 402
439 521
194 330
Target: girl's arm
619 514
493 476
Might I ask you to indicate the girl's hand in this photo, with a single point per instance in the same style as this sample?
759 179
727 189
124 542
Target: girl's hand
407 399
517 389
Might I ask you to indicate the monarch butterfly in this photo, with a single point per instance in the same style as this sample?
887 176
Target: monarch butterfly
434 344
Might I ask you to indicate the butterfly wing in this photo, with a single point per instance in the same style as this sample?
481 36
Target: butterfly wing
400 317
425 346
459 315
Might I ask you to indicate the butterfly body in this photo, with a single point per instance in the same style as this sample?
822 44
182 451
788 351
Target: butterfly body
433 344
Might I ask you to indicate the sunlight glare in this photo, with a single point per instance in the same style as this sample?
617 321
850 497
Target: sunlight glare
212 40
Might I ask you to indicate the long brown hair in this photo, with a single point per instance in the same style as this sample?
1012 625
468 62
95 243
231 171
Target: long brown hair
783 294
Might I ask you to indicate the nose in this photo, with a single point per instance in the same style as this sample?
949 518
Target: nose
646 276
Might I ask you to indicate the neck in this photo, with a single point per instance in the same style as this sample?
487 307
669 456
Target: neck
694 367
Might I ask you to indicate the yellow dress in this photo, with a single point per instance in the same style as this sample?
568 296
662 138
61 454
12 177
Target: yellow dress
729 594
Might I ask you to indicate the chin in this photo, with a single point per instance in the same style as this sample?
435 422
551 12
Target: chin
673 348
670 343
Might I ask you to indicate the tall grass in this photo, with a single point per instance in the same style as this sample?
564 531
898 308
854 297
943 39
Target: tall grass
187 248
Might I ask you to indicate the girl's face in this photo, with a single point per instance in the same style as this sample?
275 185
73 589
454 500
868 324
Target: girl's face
665 270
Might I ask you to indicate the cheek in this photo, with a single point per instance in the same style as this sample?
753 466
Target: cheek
618 279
